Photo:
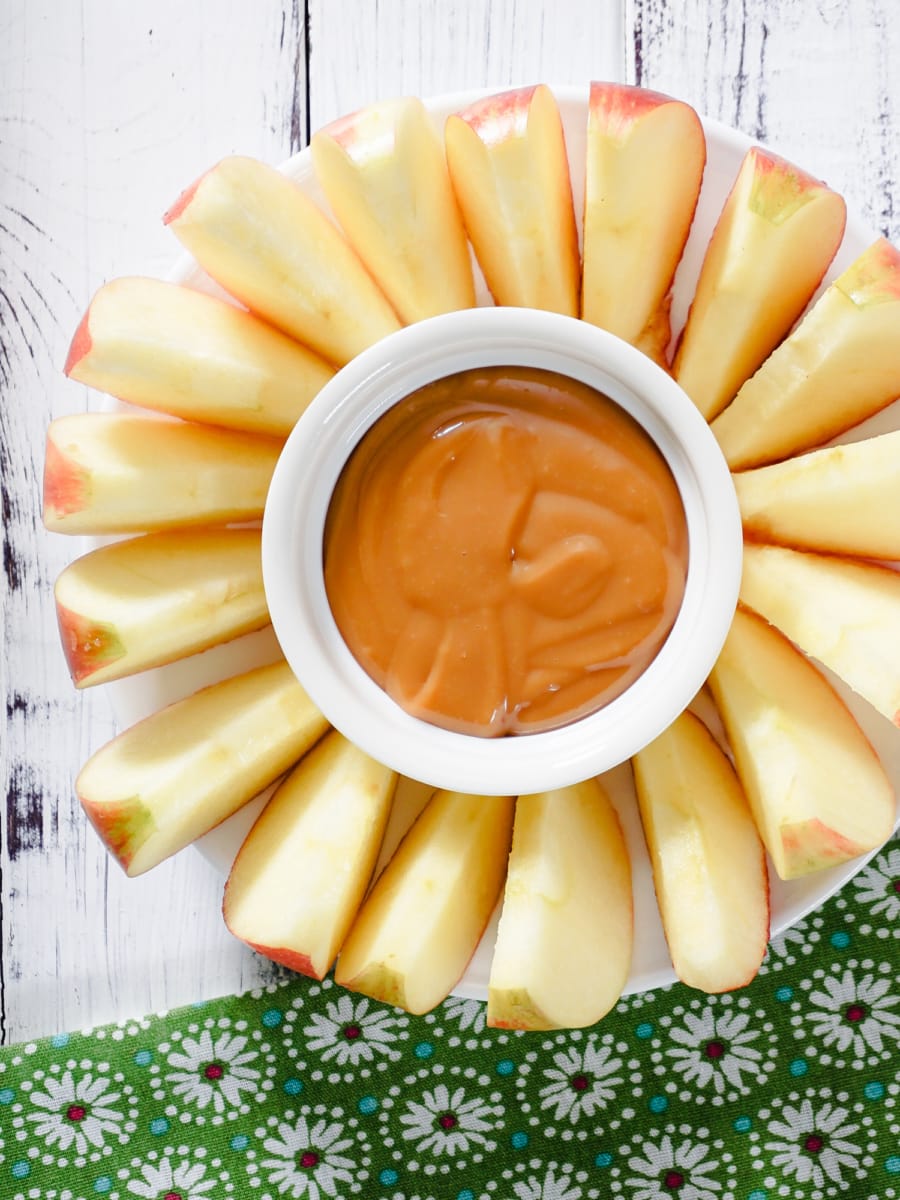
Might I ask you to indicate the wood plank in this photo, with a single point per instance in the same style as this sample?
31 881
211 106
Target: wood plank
106 112
364 52
816 82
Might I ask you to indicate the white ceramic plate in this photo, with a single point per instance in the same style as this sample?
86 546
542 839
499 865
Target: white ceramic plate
137 697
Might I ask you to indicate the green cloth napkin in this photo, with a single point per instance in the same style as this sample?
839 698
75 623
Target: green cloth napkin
788 1088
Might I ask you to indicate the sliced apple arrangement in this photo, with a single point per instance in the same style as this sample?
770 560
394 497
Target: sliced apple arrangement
409 223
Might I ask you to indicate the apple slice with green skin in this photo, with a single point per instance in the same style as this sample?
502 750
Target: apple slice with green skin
150 600
166 347
301 874
777 233
645 159
164 782
563 948
845 614
259 235
709 866
818 792
384 173
840 365
117 473
508 164
420 924
843 499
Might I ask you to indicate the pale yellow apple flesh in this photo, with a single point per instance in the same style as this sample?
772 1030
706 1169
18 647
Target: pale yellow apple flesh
301 874
645 159
840 365
508 164
384 174
420 924
845 614
778 231
817 789
182 352
843 499
164 782
260 236
116 473
150 600
709 866
564 942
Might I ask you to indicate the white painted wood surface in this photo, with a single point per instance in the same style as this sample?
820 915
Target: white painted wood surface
106 111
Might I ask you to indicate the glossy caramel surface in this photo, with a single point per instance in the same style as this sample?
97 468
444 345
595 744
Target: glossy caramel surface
505 551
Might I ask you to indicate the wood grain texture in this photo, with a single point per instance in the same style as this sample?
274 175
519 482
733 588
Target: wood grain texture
106 111
818 82
364 52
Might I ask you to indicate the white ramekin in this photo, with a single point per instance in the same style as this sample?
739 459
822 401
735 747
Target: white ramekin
298 501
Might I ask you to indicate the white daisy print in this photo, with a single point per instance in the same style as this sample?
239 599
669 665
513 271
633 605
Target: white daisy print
445 1122
77 1112
580 1083
664 1169
855 1015
789 940
878 885
468 1014
552 1187
213 1072
714 1050
309 1160
352 1031
814 1145
162 1181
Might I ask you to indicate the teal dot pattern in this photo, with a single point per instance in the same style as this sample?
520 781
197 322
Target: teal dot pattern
789 1087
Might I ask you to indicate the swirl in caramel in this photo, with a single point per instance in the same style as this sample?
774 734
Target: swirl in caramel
505 551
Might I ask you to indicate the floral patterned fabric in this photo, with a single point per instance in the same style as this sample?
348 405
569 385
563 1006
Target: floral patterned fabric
788 1088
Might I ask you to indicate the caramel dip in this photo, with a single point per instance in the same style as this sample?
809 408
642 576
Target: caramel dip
505 551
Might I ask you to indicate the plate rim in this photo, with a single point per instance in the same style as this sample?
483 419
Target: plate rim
214 847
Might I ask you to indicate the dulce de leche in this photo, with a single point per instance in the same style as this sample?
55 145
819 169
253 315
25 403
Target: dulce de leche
505 551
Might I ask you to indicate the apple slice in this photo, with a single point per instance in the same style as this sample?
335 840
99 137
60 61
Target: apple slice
421 922
817 789
563 947
169 348
300 876
845 614
384 174
150 600
840 365
508 163
164 782
709 866
259 235
115 473
773 242
645 158
843 499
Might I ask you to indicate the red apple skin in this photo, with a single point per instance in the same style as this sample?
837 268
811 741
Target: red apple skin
87 647
380 984
773 174
120 826
882 279
623 104
301 963
530 1022
498 117
345 130
81 343
66 485
173 213
828 842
